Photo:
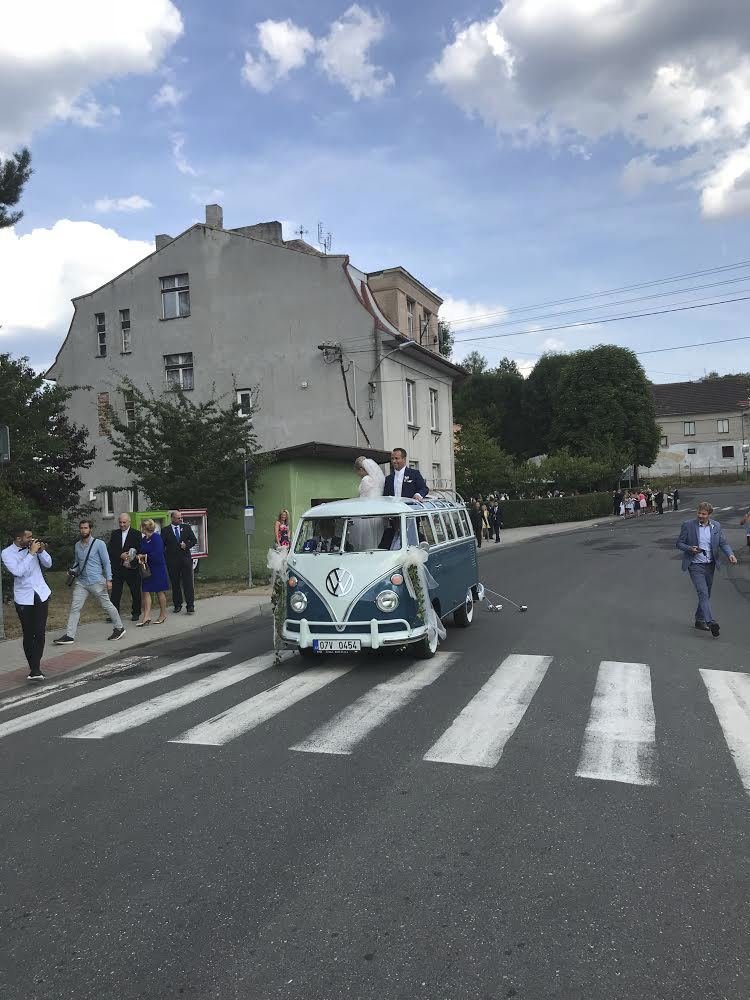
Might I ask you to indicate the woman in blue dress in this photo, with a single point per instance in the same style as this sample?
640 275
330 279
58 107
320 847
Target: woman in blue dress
152 555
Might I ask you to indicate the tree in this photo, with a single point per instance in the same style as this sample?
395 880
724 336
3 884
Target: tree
605 408
48 451
14 173
494 398
576 472
540 394
446 339
181 453
481 466
475 363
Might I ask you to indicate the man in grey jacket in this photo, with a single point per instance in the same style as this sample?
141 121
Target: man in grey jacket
93 572
702 544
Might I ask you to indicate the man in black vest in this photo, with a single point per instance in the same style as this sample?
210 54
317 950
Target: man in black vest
178 539
121 541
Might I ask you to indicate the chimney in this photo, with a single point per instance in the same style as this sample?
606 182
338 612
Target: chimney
215 216
162 239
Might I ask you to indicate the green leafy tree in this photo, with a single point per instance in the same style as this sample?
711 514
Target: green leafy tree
575 472
445 338
494 398
183 453
605 408
540 395
14 173
481 466
48 451
475 363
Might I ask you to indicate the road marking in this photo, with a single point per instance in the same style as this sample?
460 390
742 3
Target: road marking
722 509
139 715
620 739
102 694
342 734
260 708
478 735
729 694
78 680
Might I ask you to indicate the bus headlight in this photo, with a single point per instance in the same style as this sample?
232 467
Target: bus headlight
387 601
298 602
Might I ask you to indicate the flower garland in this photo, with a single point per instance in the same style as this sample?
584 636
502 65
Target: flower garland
419 594
276 562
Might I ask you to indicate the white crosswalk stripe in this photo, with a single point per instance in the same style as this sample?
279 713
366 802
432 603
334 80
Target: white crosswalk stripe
103 693
729 694
352 725
147 711
620 739
479 734
251 713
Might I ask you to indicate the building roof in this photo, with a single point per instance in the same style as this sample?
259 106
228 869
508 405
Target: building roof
712 396
401 271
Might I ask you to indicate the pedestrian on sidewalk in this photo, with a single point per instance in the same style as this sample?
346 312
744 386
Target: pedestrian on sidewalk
24 560
178 539
676 499
123 541
475 516
92 573
151 558
496 519
702 544
659 500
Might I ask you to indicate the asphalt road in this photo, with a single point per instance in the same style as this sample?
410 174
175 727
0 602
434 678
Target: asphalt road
136 867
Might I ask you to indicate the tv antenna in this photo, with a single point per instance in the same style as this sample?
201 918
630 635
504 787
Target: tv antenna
301 233
325 240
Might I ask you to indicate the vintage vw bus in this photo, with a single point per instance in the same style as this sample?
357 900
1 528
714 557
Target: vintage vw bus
382 572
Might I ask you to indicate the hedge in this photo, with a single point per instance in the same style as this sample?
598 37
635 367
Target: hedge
520 513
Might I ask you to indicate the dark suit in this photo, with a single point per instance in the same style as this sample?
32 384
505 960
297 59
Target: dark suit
122 573
413 483
180 562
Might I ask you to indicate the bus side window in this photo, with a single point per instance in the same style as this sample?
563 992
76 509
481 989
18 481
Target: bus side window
424 530
412 537
457 524
467 523
439 529
449 526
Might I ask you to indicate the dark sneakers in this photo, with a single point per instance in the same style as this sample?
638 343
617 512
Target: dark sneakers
714 626
64 640
117 633
39 676
702 626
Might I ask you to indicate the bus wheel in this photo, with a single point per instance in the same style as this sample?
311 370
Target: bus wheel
425 649
463 616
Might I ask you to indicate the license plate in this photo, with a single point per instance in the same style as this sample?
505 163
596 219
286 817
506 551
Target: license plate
336 645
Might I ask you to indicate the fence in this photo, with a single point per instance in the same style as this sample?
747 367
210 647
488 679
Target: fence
687 471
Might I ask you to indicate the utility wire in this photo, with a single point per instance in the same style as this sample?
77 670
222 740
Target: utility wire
686 347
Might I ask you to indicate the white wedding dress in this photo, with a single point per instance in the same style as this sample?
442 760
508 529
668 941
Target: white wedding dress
367 533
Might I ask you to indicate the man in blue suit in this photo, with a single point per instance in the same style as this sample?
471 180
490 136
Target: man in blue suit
702 543
403 481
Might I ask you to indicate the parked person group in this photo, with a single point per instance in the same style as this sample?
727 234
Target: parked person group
635 503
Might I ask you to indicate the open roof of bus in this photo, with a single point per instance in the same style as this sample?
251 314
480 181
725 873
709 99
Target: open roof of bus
382 507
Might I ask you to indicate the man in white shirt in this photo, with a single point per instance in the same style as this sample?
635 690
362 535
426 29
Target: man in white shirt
24 560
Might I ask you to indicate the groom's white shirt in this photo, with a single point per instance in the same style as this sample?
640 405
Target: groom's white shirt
398 481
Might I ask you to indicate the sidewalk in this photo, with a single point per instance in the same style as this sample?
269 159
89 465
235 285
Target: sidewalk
92 644
513 536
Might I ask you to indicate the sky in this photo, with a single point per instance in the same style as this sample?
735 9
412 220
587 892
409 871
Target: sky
509 156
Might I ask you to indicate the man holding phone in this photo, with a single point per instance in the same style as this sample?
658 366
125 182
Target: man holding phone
24 560
702 544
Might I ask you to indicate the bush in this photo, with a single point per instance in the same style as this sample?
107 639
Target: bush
520 513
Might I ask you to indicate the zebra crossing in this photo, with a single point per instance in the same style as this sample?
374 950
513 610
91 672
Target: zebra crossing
618 744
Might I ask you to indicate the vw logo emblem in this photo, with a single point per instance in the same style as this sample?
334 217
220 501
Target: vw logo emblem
339 582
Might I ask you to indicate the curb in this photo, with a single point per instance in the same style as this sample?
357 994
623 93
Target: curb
569 526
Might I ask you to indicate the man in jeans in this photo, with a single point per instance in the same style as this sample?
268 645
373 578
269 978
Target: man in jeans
93 576
26 559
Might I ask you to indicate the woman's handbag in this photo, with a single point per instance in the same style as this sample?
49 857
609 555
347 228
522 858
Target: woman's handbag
144 570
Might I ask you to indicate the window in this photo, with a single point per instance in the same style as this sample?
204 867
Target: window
178 370
449 527
439 529
727 451
101 335
108 503
457 524
436 474
692 451
468 530
131 498
414 464
689 428
424 334
411 403
129 400
245 402
722 426
434 411
664 441
410 317
424 530
125 330
175 296
102 413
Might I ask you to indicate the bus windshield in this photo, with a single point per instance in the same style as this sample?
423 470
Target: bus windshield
348 534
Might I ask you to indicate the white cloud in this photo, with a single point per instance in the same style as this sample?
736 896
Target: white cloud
553 344
180 160
41 271
52 54
465 314
343 54
133 203
670 78
168 96
726 190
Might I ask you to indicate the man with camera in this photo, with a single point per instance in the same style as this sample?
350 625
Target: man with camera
90 574
24 560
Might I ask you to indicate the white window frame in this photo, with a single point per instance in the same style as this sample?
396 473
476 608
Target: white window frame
240 394
688 424
410 316
100 321
175 296
722 425
129 404
108 503
125 335
437 474
425 332
411 403
434 410
414 464
181 367
664 441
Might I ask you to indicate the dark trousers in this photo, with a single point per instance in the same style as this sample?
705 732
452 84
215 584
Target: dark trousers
478 534
132 578
660 508
496 529
181 578
33 625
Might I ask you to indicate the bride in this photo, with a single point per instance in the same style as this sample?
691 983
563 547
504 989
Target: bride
371 482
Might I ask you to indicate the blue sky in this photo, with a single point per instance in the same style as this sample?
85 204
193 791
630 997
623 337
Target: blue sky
506 156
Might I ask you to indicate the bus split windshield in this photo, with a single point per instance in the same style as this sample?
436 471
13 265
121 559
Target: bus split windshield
348 534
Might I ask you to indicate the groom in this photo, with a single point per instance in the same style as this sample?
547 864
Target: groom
403 481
